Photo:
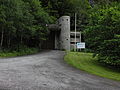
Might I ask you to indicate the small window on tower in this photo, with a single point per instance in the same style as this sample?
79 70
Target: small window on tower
60 25
67 19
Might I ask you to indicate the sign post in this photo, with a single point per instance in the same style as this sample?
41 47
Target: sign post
81 45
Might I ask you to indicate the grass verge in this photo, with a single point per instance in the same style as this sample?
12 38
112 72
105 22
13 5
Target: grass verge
84 61
25 51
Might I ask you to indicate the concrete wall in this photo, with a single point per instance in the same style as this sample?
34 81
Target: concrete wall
57 40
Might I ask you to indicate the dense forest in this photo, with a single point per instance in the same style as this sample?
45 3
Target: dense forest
23 24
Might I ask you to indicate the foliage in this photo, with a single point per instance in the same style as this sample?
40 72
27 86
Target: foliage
22 51
58 8
20 20
84 61
110 52
101 31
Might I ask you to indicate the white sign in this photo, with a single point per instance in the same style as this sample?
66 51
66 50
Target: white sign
81 45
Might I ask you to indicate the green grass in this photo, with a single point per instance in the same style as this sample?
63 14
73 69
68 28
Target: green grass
84 61
25 51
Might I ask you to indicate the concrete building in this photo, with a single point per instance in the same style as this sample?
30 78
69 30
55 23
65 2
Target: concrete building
61 37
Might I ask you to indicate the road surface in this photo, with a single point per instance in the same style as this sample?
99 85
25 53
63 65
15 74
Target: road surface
48 71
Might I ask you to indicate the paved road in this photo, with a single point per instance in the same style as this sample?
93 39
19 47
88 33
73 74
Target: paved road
47 71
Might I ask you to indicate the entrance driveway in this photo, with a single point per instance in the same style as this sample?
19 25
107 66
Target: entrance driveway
48 71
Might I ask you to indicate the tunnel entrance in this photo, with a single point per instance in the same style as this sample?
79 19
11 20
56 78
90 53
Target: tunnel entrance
50 42
59 36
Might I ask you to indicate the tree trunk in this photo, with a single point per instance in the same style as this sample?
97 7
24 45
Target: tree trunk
21 39
9 41
2 37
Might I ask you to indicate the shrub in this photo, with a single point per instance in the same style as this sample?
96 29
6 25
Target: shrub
21 51
110 52
102 33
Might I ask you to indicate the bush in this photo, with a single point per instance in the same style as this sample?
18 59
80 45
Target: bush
102 33
21 51
110 52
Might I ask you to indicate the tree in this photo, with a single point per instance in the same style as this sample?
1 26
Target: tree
7 14
101 31
20 20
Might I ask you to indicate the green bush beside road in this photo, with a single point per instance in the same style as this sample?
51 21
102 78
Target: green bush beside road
25 51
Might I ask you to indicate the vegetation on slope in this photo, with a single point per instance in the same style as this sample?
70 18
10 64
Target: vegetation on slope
19 52
86 62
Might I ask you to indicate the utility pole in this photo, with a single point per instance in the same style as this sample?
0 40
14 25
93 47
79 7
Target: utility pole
80 39
75 32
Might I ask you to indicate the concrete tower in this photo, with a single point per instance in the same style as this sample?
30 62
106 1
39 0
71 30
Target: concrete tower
64 37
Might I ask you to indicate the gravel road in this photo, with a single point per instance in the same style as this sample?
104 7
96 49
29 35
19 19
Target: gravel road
48 71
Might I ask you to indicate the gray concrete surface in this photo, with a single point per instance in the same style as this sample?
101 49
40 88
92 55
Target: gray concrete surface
47 71
62 37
